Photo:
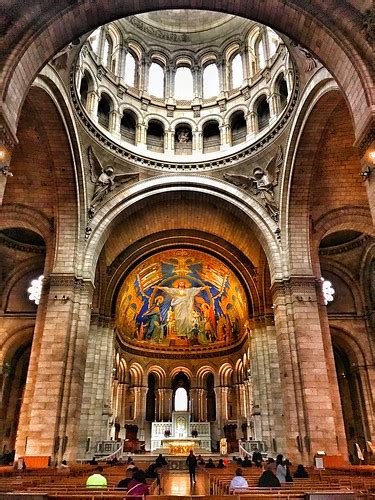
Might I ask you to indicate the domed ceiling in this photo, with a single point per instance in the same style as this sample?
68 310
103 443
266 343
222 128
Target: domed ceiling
185 20
181 299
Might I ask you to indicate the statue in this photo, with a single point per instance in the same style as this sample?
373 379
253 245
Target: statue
183 135
104 179
262 182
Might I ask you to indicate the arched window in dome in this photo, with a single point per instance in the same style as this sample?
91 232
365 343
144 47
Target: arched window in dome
183 140
183 84
104 109
238 128
236 71
210 81
107 51
94 40
263 112
273 41
282 89
156 80
181 399
260 53
84 89
211 137
155 136
128 127
130 66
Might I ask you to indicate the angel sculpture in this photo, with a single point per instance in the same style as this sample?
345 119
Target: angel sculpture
104 179
262 182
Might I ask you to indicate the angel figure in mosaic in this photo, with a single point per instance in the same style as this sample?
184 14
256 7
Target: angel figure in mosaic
262 182
105 179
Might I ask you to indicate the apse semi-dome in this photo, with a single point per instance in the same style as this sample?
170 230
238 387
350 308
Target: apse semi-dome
182 300
184 86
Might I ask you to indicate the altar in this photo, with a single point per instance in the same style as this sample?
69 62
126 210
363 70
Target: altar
180 435
180 446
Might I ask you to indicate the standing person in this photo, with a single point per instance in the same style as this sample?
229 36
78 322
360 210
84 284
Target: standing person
280 469
97 480
192 463
257 458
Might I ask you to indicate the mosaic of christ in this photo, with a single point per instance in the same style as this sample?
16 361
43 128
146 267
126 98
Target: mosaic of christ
181 297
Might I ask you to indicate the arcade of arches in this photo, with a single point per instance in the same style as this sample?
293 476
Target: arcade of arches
197 191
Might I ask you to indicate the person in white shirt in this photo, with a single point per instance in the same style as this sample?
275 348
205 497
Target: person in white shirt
238 482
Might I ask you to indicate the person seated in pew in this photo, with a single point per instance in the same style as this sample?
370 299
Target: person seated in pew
210 464
137 486
238 482
221 464
124 483
268 480
301 472
200 460
93 461
97 480
246 462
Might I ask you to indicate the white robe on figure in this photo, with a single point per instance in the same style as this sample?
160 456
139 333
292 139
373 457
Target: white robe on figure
183 306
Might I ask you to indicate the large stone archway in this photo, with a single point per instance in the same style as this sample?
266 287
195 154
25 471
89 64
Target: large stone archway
324 30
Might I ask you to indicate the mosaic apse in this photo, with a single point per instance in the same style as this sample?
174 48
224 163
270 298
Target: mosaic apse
181 298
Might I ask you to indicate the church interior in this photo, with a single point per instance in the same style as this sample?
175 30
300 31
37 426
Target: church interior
187 207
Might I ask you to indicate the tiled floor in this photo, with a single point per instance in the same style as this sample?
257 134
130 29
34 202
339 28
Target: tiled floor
178 483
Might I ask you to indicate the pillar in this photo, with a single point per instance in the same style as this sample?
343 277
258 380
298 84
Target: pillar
251 124
52 403
310 421
92 105
225 139
96 406
368 172
140 393
194 399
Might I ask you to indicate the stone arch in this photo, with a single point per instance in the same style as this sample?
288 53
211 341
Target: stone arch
160 374
136 374
239 371
13 339
202 373
225 374
347 62
180 368
264 226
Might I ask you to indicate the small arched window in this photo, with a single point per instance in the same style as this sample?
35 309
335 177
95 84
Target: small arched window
238 127
183 84
211 137
260 53
130 70
282 89
156 80
94 40
273 41
181 399
107 51
155 136
128 127
104 109
237 71
210 81
263 113
83 90
183 140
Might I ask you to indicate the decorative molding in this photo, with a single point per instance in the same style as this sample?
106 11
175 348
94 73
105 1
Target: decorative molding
69 281
181 353
144 161
345 247
21 247
157 32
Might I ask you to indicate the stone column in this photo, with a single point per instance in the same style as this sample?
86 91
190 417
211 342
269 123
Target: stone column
167 411
275 107
141 136
122 64
170 75
221 66
197 82
251 124
202 399
96 406
245 64
52 402
266 388
92 105
140 393
290 80
114 124
310 420
225 140
194 398
122 402
197 142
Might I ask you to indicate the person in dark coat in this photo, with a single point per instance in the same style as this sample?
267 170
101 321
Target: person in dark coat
301 472
246 462
210 464
257 458
192 463
221 464
268 480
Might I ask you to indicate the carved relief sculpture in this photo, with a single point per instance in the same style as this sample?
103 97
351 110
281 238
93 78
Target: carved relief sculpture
105 179
262 182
